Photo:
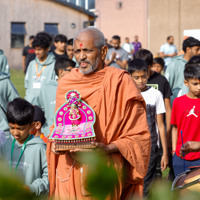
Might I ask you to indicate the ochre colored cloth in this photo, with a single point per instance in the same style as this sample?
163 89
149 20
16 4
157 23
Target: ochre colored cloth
44 138
120 119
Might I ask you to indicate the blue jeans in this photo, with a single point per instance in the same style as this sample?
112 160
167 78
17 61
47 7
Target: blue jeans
178 164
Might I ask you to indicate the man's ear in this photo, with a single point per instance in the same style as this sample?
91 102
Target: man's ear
186 83
104 51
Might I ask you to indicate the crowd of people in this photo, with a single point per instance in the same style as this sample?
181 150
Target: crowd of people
147 111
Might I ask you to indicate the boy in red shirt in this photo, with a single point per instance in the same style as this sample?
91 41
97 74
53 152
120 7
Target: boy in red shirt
185 120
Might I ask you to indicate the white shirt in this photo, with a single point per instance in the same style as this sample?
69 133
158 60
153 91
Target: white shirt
154 98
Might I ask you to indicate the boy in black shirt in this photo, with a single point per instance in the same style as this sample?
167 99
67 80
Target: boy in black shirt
60 42
28 54
159 82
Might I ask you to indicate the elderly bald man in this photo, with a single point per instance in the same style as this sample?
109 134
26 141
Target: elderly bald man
121 127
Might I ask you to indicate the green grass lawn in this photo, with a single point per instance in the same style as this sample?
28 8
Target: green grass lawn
17 78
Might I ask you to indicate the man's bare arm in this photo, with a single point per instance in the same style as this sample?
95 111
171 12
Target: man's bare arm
24 63
122 64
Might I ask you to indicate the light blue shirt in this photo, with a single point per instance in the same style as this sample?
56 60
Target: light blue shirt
168 49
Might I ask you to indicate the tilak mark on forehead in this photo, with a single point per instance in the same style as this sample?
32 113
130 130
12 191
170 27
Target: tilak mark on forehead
81 45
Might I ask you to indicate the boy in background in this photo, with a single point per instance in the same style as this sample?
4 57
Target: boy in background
155 108
39 120
194 60
159 82
158 65
25 154
28 54
47 98
186 119
41 69
70 49
60 42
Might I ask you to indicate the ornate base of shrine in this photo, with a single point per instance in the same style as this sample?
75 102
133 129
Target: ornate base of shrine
67 146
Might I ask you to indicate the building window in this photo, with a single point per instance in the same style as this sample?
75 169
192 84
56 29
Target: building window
91 4
88 24
18 32
73 1
82 3
51 28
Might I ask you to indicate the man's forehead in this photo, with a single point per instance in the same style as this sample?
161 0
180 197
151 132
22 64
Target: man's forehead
79 43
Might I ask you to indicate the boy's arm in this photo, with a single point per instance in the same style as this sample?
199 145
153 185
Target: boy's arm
189 146
41 185
174 138
168 121
161 128
23 63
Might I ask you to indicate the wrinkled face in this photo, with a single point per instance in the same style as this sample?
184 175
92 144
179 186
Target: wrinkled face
41 53
115 43
157 68
194 87
88 56
70 51
140 78
20 133
193 51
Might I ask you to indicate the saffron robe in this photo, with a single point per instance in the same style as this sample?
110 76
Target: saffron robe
120 119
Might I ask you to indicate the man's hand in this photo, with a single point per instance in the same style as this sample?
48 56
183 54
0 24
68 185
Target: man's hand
190 146
172 54
113 55
164 162
53 149
110 148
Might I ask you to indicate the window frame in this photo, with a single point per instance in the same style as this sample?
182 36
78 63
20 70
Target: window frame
17 35
49 32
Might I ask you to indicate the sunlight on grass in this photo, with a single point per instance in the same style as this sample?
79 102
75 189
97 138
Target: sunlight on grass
17 78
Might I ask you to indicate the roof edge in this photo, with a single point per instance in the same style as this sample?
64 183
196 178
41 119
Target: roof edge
71 5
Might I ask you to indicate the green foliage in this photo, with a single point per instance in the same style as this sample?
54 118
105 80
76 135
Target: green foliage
102 178
11 187
161 190
17 78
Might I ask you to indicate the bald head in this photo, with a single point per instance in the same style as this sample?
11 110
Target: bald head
93 33
90 50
